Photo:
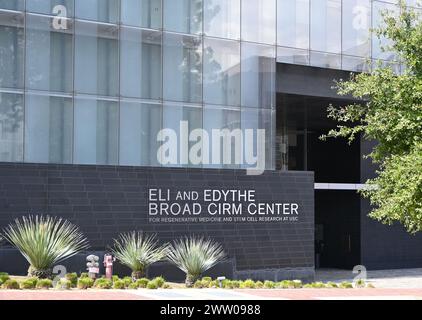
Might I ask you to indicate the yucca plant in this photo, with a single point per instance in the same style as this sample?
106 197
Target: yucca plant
44 242
194 256
138 251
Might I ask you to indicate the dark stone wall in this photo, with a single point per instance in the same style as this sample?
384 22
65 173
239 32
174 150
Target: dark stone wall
107 200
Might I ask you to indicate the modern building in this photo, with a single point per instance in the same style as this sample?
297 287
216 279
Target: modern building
87 85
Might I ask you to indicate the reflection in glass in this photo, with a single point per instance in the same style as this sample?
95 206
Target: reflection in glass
140 63
326 25
259 21
49 60
11 127
258 75
293 23
222 18
96 133
139 127
292 56
48 129
221 72
356 27
18 5
98 10
183 16
11 50
325 60
377 22
182 68
96 59
50 6
355 64
142 13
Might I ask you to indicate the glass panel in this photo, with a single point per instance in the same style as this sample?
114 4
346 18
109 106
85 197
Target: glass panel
48 129
139 127
98 10
293 23
222 18
230 143
292 56
355 64
18 5
258 76
62 8
96 133
49 60
172 117
259 21
140 63
222 72
11 127
326 25
12 39
356 27
377 22
183 16
96 59
142 13
182 68
325 60
259 119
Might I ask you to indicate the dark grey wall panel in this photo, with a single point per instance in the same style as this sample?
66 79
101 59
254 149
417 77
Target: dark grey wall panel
107 200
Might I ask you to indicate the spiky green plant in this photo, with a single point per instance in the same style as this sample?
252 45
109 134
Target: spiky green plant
138 251
194 256
44 242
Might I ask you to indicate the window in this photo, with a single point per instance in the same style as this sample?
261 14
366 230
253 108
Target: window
377 22
51 7
182 68
142 13
48 129
293 23
259 21
96 133
140 63
326 25
222 18
18 5
184 16
139 127
49 60
292 56
96 59
98 10
258 76
11 50
356 28
221 72
11 127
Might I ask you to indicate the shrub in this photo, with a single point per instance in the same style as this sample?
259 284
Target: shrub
73 278
103 283
269 284
127 281
4 277
318 285
247 284
236 284
346 285
115 278
138 251
259 285
152 285
285 284
227 284
85 283
206 281
44 242
29 284
360 283
133 286
84 275
64 284
44 284
11 284
142 283
214 284
119 285
199 284
331 285
194 256
160 281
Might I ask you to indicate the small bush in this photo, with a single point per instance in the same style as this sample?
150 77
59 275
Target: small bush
103 283
285 284
269 284
133 286
119 285
360 283
44 284
297 284
127 281
29 284
142 283
247 284
4 277
73 278
206 281
331 285
84 275
259 285
152 285
214 284
115 278
227 284
198 284
318 285
346 285
85 283
64 284
160 281
11 284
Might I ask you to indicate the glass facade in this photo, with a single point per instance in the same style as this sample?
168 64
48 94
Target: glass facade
94 81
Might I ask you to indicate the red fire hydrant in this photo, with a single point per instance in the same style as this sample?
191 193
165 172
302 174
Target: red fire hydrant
108 265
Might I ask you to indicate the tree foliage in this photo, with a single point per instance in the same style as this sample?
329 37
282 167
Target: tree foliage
390 112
